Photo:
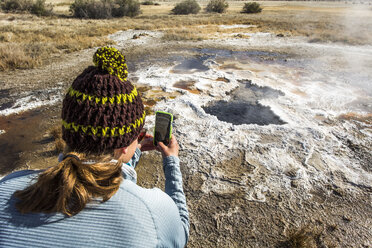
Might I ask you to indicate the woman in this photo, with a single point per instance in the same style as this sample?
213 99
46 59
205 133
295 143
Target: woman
91 199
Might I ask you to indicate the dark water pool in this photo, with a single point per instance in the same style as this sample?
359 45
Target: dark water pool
244 107
239 113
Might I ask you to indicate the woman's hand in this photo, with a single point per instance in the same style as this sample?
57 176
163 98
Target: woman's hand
170 150
147 143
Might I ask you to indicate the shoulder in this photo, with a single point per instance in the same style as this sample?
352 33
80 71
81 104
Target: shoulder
163 211
19 176
152 198
15 181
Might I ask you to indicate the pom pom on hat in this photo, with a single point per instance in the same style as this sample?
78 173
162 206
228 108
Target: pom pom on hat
110 60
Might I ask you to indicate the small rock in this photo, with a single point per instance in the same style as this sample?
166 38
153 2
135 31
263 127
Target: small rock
338 192
346 218
331 228
294 184
280 35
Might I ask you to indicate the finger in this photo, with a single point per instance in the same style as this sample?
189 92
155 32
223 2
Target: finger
162 146
146 140
173 141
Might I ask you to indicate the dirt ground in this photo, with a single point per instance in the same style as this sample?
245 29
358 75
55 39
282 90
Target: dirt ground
331 217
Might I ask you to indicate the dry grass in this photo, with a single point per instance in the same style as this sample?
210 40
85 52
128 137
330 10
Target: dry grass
56 132
39 39
301 238
207 31
310 237
182 34
15 56
28 43
35 40
367 119
304 238
59 145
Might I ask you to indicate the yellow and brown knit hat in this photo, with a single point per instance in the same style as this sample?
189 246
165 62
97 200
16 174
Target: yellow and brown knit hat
102 110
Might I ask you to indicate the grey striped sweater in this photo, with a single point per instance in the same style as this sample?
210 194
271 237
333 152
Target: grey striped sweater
133 217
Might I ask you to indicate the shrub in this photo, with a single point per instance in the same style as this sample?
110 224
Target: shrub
16 5
91 9
218 6
40 9
251 8
104 9
186 7
148 2
129 8
37 8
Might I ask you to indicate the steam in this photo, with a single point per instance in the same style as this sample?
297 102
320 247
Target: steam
357 23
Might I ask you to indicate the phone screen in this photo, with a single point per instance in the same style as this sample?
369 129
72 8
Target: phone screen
162 128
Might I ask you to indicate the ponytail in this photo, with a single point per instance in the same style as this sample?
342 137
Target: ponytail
69 186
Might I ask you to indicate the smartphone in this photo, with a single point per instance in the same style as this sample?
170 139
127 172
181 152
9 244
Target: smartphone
163 127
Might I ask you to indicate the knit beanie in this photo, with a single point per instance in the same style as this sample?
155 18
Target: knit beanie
102 110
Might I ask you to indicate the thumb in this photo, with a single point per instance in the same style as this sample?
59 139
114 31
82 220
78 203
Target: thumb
162 146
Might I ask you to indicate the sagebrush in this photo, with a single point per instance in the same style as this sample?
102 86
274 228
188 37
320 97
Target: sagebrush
129 8
186 7
251 7
218 6
104 9
37 7
149 2
91 9
16 5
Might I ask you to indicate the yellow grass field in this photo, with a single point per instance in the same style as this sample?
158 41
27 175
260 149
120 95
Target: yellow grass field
27 41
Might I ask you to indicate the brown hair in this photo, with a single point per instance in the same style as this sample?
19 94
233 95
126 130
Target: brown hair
69 186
